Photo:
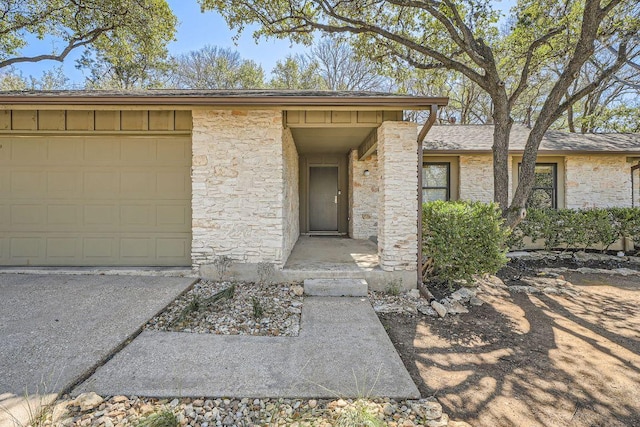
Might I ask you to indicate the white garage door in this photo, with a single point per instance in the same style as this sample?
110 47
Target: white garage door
116 200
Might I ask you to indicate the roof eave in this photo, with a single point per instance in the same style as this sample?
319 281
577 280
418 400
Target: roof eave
392 102
428 151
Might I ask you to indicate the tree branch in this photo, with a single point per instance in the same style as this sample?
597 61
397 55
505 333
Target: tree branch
524 75
358 27
604 74
74 43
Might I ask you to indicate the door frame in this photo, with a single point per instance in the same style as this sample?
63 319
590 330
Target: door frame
319 232
337 160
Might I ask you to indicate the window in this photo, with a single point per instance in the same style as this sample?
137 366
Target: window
436 181
545 187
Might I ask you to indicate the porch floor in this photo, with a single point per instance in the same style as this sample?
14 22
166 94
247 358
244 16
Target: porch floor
333 254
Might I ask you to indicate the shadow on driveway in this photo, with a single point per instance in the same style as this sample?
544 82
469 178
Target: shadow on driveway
56 329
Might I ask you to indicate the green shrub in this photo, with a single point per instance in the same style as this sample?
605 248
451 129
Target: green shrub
577 228
461 239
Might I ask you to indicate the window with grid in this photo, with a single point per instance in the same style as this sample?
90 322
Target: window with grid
436 181
545 187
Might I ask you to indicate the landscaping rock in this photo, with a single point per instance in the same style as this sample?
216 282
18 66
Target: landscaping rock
454 307
476 302
626 272
526 289
413 293
439 308
297 290
443 421
404 303
88 401
428 410
232 412
427 310
463 295
281 309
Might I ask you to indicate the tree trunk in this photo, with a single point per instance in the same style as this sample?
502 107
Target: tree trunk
501 133
570 121
526 178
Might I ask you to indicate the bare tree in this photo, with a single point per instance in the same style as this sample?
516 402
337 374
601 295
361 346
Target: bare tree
216 68
341 69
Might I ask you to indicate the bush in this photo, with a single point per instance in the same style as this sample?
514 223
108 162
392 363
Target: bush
577 228
461 239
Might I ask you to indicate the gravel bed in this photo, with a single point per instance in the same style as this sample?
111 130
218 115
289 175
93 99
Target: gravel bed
253 309
402 303
91 410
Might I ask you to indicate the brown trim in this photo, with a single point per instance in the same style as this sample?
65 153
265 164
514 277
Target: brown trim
633 169
540 152
433 112
400 102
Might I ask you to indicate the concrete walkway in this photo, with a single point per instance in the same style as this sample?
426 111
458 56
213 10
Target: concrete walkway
54 329
342 351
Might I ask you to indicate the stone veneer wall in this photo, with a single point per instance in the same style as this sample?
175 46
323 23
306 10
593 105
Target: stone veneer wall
597 181
237 184
363 196
291 205
398 205
476 177
589 180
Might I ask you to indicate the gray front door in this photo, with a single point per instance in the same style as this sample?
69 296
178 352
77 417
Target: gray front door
323 198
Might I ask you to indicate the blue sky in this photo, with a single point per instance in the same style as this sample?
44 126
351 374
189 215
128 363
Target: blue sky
195 30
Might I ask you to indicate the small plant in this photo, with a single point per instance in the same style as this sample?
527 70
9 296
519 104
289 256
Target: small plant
258 310
193 306
359 414
222 264
265 272
393 288
164 418
197 304
224 294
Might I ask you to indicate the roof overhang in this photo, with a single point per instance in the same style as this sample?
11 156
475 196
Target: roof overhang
220 99
431 152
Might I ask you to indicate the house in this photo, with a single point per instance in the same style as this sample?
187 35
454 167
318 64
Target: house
182 178
573 170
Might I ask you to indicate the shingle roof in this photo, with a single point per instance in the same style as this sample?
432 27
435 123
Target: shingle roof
219 97
479 138
240 93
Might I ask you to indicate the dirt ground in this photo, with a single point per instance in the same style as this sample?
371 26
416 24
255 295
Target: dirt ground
533 360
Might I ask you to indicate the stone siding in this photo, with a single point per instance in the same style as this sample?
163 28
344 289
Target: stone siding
476 178
588 181
363 196
398 205
291 205
237 184
597 181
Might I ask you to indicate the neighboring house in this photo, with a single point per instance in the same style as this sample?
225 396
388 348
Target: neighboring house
573 170
179 178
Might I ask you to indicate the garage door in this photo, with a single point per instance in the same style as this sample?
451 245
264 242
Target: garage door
116 200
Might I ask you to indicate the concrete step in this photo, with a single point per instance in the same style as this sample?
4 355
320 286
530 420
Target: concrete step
336 287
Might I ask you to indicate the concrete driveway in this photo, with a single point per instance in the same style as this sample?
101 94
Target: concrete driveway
56 329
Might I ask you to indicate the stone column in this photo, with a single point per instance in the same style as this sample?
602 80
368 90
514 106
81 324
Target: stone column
398 205
363 196
237 184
